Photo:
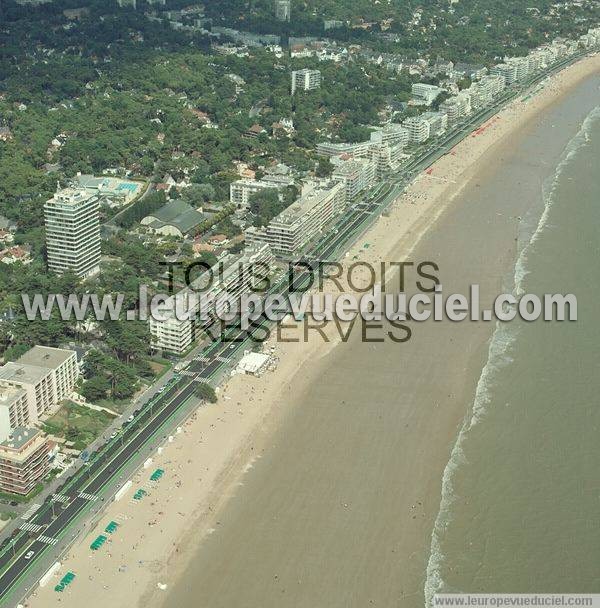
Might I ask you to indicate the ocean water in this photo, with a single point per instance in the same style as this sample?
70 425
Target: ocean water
521 493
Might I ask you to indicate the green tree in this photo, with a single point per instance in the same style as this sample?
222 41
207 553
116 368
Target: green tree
95 389
205 392
196 194
324 167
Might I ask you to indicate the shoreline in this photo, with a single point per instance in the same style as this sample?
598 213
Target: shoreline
229 438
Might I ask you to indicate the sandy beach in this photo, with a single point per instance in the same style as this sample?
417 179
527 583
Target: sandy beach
228 502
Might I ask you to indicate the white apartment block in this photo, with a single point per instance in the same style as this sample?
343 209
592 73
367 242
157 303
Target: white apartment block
299 224
241 190
357 175
392 134
513 69
330 149
419 129
384 147
283 10
438 122
193 308
425 93
305 80
507 70
386 157
46 375
172 333
591 39
73 232
483 91
456 107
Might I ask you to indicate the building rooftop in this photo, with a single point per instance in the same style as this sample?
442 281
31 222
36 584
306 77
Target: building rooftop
178 214
70 197
45 356
19 437
9 394
28 374
350 167
303 205
253 363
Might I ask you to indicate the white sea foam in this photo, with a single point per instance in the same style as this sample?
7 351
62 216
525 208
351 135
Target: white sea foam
573 147
499 356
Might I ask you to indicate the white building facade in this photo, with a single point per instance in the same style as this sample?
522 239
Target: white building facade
73 232
289 232
175 326
46 375
305 80
357 175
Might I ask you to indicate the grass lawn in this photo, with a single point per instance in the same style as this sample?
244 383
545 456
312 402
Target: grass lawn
117 405
78 424
159 367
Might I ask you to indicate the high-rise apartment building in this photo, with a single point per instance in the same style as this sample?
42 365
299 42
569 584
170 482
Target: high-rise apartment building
283 10
295 227
73 232
418 128
176 322
425 93
241 190
357 175
14 409
305 80
456 107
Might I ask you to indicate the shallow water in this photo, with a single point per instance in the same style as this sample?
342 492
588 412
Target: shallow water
521 499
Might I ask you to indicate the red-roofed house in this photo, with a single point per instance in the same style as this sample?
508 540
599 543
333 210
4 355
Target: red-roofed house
14 254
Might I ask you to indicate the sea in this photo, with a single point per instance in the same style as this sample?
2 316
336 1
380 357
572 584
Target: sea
521 493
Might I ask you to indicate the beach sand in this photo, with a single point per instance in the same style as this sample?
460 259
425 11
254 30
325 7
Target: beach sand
334 461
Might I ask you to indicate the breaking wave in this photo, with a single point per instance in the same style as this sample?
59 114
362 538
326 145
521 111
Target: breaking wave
499 356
